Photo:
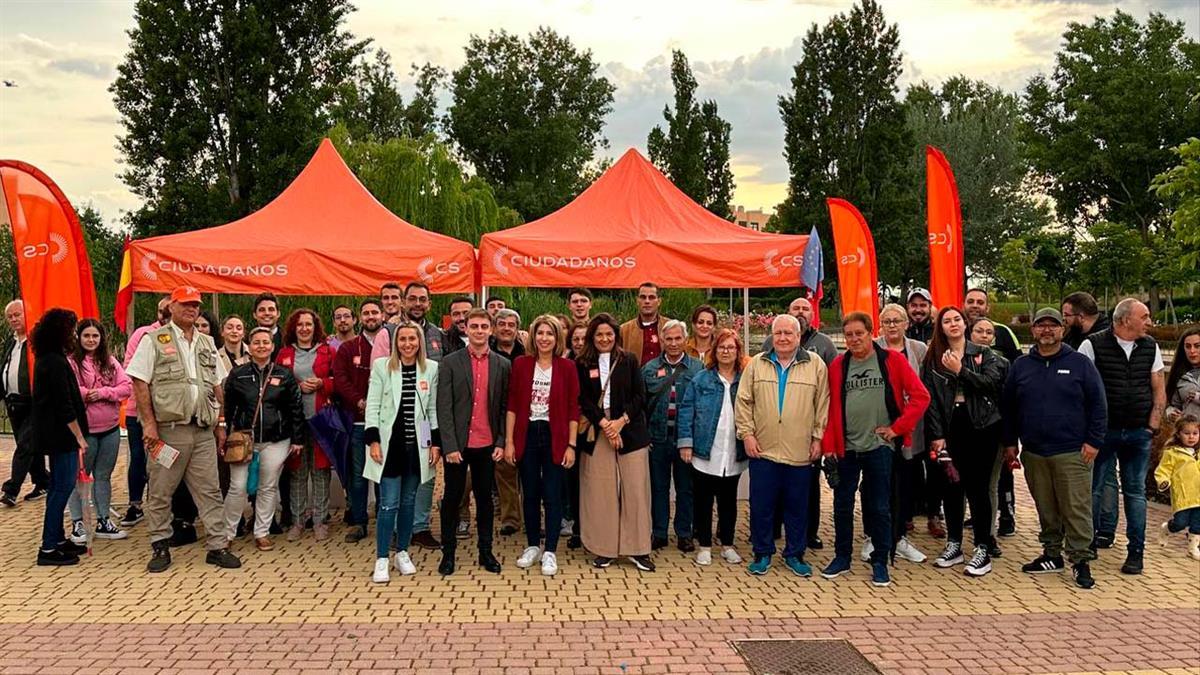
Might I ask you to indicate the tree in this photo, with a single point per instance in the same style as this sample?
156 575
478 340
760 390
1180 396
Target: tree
694 150
1180 187
419 180
845 136
1016 271
976 126
1121 95
528 116
1113 258
373 107
223 102
1055 256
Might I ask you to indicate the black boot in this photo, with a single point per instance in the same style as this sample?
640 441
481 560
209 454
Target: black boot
161 559
446 568
1133 562
488 562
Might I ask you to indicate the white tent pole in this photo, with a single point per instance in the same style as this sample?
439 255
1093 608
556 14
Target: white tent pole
483 296
746 318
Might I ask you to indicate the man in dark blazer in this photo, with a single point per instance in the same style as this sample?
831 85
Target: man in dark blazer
472 396
14 386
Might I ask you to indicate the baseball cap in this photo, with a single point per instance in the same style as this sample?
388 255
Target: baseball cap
185 294
921 292
1048 313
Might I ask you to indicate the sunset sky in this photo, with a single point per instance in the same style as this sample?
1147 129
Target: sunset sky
63 56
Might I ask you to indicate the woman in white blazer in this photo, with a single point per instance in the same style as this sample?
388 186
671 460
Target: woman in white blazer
402 435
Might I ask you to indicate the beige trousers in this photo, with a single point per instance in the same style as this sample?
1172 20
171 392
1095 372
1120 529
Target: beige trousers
614 501
196 466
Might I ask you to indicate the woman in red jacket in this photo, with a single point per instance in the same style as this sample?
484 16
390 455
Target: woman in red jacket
310 359
543 414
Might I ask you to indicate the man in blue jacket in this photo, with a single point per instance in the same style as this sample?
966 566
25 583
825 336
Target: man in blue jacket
1054 404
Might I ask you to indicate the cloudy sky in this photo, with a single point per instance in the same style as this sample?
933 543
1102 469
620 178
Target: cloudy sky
62 57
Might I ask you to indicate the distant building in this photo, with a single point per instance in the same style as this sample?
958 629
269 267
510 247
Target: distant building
755 220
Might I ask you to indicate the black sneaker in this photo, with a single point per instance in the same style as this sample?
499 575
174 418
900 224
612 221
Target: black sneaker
1133 563
575 542
161 559
35 494
1044 565
57 558
815 543
600 562
356 534
658 543
133 516
1007 528
8 500
425 539
275 528
184 533
980 562
642 562
241 529
1103 540
1083 575
508 530
72 548
223 557
686 545
994 550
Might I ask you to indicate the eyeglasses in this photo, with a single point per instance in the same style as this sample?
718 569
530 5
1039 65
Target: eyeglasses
893 322
727 348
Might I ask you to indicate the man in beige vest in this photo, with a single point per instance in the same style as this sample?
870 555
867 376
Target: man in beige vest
177 384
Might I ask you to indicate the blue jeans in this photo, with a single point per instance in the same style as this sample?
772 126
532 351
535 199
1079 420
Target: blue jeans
356 492
423 507
541 481
137 473
100 459
1129 451
64 467
1187 519
876 470
665 465
396 497
772 484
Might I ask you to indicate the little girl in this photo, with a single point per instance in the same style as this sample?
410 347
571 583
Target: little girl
1180 471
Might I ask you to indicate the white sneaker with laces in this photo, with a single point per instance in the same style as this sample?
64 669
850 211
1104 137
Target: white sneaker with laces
867 549
549 564
731 556
980 563
906 550
952 555
404 564
528 557
105 529
704 556
381 571
78 533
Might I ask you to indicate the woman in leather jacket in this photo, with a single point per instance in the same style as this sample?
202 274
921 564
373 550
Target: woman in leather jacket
279 431
962 426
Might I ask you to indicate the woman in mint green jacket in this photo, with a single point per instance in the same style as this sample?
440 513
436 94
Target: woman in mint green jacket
402 436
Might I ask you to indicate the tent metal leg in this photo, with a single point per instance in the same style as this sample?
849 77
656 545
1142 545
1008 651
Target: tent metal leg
746 318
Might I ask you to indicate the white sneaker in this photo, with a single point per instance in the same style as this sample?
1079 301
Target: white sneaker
731 556
867 549
906 550
528 557
381 571
404 564
549 564
567 529
704 556
78 533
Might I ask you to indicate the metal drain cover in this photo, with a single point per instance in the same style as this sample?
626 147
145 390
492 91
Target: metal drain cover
803 657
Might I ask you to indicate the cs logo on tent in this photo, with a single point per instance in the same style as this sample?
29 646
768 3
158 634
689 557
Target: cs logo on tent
498 260
146 269
56 248
426 275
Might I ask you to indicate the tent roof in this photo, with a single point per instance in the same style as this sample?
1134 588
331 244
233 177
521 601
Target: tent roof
325 234
634 225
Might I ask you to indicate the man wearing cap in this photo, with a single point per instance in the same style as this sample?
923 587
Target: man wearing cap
1053 403
920 320
177 385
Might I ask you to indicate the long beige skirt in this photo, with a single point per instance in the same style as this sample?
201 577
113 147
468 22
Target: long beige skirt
614 501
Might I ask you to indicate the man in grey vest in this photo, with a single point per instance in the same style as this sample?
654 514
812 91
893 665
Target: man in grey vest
1131 367
177 385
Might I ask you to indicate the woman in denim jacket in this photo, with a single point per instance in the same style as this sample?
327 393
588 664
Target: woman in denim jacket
708 440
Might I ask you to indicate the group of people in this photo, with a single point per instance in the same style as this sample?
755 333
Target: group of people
586 427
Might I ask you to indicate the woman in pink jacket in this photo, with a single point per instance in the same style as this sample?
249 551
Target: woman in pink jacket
103 384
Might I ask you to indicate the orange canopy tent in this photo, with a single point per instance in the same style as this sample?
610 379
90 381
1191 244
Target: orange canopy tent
634 225
324 235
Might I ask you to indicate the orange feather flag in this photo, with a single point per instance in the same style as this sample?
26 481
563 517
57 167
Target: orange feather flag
858 276
947 274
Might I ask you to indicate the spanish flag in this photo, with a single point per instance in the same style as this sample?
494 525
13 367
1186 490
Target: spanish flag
124 291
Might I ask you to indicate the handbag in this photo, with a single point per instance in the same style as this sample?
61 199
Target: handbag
239 444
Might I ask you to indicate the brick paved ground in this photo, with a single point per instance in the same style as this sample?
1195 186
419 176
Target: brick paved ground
310 606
